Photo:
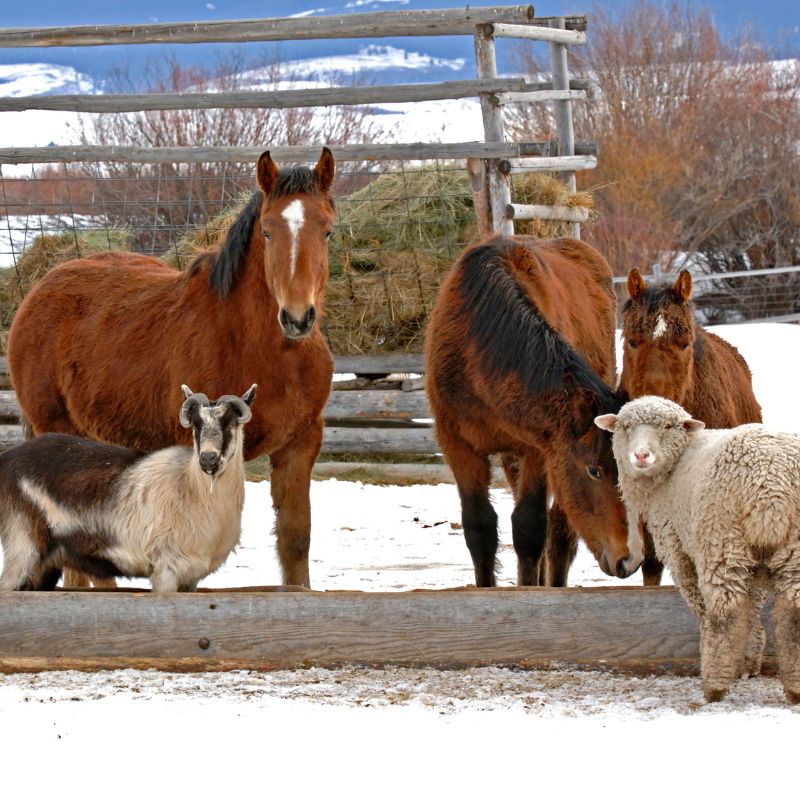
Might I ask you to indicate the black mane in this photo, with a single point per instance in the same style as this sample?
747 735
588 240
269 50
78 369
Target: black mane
512 335
225 263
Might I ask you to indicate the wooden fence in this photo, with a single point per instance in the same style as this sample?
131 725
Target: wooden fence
634 629
489 162
378 412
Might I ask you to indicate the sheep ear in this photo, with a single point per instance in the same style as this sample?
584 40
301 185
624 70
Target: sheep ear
606 422
636 284
683 285
266 172
692 425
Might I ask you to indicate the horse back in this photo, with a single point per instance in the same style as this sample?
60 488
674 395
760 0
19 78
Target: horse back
722 390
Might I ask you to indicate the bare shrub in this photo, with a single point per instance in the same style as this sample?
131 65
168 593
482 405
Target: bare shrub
698 141
158 198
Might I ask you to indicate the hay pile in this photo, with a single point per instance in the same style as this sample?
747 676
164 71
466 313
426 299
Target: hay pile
544 189
45 252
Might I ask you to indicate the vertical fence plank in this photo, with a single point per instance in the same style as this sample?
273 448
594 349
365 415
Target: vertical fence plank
498 184
563 109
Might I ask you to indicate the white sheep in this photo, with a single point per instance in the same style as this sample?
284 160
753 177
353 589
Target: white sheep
724 509
172 516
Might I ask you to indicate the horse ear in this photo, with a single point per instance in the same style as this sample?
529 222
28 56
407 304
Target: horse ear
323 172
636 284
267 172
606 422
683 286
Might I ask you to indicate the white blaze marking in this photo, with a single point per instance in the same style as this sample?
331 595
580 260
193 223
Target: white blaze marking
294 214
660 328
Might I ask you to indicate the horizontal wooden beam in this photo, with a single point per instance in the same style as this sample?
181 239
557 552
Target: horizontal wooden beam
366 405
282 98
347 26
630 628
537 33
552 164
563 213
379 440
412 151
380 364
504 98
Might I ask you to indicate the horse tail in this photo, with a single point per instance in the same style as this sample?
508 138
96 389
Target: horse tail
510 332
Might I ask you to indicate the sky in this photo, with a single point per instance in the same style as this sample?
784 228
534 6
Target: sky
778 21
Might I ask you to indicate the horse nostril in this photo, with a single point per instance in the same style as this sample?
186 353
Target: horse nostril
284 318
621 568
311 316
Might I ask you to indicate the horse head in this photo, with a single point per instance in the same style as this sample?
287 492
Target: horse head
583 471
297 214
659 335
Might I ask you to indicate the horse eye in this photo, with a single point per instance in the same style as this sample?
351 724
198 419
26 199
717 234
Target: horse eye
595 473
266 235
328 234
631 343
684 346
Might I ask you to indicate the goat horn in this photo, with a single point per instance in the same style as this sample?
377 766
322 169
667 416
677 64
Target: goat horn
243 411
192 400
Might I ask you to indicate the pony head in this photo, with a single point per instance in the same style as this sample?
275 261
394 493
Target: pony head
296 222
659 338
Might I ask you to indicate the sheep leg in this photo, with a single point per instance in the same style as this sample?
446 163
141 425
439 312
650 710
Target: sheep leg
757 640
560 549
290 485
478 517
786 615
724 634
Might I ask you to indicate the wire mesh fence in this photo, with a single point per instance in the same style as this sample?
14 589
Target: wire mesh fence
399 226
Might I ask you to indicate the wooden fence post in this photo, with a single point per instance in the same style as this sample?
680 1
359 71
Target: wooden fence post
497 183
563 109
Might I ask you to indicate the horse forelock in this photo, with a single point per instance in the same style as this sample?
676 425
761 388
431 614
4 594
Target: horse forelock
296 180
512 335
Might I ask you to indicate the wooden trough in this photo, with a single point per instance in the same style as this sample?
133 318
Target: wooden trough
634 629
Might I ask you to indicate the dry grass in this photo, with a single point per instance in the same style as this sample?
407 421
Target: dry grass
393 241
543 189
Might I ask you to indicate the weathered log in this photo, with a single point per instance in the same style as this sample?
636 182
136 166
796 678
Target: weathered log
379 440
371 405
630 628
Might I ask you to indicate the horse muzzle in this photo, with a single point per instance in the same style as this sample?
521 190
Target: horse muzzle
294 327
623 567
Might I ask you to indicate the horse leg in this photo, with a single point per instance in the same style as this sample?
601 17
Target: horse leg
560 549
478 518
529 521
652 568
290 485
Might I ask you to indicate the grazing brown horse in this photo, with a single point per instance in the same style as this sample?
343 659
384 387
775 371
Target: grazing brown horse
519 359
101 345
667 353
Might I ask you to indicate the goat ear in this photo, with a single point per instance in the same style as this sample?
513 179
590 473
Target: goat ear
636 284
266 172
683 285
692 425
250 394
323 172
606 422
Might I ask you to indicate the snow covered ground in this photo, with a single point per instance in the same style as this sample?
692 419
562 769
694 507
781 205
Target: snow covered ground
363 733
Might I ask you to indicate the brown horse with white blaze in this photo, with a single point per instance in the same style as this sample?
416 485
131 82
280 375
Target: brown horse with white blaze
101 345
519 358
666 353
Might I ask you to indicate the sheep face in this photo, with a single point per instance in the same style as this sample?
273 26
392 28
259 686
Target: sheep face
650 434
216 427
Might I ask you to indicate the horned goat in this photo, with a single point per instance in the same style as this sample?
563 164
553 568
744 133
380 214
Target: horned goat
724 509
173 515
